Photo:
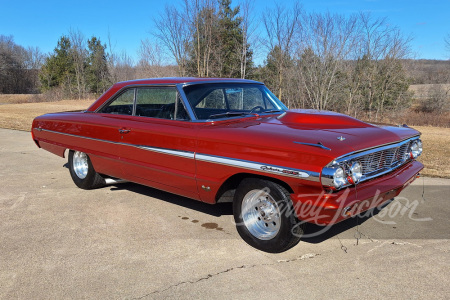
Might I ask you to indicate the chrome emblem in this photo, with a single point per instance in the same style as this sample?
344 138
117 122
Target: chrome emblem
284 171
341 138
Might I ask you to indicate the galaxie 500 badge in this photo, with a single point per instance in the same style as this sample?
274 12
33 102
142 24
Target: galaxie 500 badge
284 171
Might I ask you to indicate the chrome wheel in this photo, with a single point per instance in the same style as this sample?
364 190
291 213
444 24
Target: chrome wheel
80 164
261 214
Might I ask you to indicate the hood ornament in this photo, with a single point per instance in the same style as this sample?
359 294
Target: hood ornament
341 138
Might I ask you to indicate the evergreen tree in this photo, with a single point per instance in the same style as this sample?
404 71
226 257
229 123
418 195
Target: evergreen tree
231 39
97 67
74 72
218 47
58 69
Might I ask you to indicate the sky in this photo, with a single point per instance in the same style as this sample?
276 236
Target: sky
42 23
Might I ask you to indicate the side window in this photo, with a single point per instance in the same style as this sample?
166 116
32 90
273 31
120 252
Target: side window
159 103
122 105
181 111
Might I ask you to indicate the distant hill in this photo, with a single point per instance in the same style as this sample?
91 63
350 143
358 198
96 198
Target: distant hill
427 71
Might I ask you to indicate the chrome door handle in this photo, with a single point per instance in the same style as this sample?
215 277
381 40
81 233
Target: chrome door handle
123 131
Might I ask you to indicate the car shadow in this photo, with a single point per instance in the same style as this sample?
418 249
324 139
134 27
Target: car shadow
217 210
313 234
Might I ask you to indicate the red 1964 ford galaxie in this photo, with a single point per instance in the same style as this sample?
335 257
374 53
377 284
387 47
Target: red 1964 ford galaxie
218 140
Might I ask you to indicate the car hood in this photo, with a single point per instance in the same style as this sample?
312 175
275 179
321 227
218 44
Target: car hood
299 131
338 132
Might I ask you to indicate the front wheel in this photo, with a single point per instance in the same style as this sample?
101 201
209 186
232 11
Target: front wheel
264 216
82 171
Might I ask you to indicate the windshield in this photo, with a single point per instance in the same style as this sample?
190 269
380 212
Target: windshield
226 100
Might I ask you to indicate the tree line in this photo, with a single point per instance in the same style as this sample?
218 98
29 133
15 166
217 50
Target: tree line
349 63
77 66
19 67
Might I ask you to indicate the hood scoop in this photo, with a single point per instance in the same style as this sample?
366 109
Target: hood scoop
320 118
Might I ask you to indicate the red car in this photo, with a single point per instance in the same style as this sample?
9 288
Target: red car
232 140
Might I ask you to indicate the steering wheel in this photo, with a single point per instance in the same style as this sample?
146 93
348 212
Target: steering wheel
254 109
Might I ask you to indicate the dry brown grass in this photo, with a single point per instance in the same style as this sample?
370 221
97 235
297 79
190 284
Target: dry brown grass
421 90
20 116
17 98
436 140
436 151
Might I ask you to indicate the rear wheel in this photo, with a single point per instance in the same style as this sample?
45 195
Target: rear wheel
82 171
264 216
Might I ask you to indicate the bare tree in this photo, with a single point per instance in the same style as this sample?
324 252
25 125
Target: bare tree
281 26
326 43
382 46
16 73
202 17
120 65
447 42
152 61
79 54
172 29
35 58
248 29
33 63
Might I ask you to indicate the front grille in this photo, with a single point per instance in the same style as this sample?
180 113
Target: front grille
386 159
376 161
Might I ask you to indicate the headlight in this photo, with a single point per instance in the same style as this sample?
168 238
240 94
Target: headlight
416 148
356 172
339 178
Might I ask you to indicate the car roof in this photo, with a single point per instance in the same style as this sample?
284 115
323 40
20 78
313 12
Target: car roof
163 81
183 80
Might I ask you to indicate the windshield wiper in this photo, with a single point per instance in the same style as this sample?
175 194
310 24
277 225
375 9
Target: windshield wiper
240 113
228 114
272 111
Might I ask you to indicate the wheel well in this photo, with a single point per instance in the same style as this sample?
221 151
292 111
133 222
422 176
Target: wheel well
227 189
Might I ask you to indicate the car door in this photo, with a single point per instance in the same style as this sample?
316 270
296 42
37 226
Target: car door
102 133
161 142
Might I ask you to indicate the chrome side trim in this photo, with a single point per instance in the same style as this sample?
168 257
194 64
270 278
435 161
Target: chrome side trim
260 167
234 162
80 136
179 153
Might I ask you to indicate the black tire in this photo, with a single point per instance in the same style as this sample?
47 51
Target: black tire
256 216
90 179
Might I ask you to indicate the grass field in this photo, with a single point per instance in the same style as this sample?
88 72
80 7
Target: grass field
19 98
20 116
436 140
436 151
